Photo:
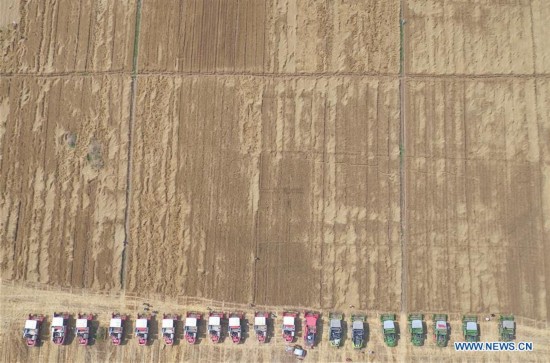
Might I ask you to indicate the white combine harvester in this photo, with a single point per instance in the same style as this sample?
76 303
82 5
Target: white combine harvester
169 328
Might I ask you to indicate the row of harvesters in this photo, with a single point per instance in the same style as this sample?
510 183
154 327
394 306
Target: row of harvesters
416 327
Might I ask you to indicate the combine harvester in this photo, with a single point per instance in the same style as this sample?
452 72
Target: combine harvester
31 332
215 326
358 331
335 332
82 329
311 328
389 329
116 328
142 328
58 328
507 328
190 329
260 325
234 327
289 326
470 328
441 330
416 328
169 322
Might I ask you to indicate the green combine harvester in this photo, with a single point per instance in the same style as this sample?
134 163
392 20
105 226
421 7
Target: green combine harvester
507 328
358 331
441 329
389 329
416 328
470 329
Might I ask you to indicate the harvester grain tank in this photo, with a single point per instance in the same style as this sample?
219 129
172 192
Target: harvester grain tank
335 329
507 328
310 328
358 331
289 326
389 329
215 326
260 325
470 329
168 328
190 329
58 328
31 331
234 327
82 329
142 328
441 329
116 327
416 329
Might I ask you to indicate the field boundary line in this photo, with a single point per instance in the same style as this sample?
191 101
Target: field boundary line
131 123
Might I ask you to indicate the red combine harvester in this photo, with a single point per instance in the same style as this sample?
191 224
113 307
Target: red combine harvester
58 327
169 324
116 328
311 328
82 329
260 325
190 329
215 326
31 332
289 326
142 328
235 331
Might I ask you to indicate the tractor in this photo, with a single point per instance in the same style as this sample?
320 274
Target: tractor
507 328
470 328
358 331
335 332
311 328
389 329
416 329
441 329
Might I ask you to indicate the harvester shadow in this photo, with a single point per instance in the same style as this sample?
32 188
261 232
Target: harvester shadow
245 333
153 330
320 332
344 333
397 333
425 330
44 332
128 331
298 333
270 333
94 331
367 333
178 332
202 330
69 338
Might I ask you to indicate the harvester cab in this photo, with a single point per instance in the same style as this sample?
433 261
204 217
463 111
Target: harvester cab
116 328
142 328
234 326
335 332
311 328
215 326
507 328
470 328
190 329
441 329
260 325
58 327
389 329
416 329
82 329
169 328
31 331
289 326
358 331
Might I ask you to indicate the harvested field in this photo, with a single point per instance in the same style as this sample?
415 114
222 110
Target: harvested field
385 155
